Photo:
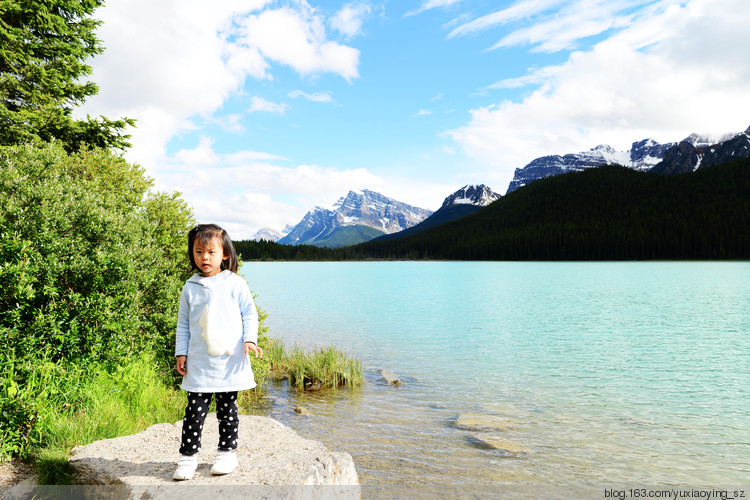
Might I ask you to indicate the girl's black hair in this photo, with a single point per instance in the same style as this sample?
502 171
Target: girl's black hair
204 233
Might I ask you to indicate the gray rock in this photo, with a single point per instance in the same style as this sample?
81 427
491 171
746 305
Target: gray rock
480 421
389 377
270 454
494 442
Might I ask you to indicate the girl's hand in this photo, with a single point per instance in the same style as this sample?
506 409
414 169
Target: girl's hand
249 346
181 365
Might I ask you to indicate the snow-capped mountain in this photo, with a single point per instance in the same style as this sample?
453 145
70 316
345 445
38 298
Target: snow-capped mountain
271 234
472 195
372 213
642 155
645 155
465 201
690 155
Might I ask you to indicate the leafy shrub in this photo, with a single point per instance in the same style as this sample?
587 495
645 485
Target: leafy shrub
91 264
91 267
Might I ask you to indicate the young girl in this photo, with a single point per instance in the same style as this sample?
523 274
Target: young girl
217 327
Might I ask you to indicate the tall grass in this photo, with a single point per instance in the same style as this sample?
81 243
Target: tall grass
69 405
320 368
59 406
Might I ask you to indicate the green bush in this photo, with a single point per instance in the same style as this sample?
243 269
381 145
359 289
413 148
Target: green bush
91 263
91 267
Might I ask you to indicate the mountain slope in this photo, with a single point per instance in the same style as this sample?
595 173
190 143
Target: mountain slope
348 235
366 208
270 234
645 155
608 212
463 202
688 156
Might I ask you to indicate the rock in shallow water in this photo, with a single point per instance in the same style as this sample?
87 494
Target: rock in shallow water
491 442
479 421
389 377
269 454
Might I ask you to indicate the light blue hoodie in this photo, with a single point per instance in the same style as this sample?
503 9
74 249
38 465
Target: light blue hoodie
217 316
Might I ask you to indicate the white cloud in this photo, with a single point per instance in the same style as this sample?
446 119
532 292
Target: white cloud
297 38
260 104
172 64
555 24
324 97
431 4
349 20
674 72
519 10
231 123
422 112
247 190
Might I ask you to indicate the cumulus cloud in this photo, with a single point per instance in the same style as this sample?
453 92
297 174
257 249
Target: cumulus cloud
673 72
172 64
297 38
246 190
349 20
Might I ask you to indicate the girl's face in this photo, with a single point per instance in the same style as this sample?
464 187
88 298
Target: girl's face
208 258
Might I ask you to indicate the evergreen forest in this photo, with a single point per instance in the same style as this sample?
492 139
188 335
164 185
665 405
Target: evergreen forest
604 213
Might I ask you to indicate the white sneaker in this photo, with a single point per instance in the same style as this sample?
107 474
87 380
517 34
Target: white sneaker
186 466
226 462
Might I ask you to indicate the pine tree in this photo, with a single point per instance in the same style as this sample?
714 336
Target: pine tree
43 49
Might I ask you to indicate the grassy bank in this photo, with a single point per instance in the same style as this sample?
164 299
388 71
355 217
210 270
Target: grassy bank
60 406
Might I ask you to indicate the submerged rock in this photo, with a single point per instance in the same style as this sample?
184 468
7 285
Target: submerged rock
479 421
389 377
493 442
269 453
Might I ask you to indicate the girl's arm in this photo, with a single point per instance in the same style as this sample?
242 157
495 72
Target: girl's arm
183 326
249 315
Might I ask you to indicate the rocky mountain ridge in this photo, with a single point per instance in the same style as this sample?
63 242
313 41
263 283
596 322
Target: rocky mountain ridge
366 208
645 155
688 156
271 234
472 194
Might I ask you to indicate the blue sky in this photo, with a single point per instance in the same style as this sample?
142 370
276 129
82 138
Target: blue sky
258 110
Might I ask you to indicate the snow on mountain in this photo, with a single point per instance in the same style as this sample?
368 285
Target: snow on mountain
694 153
480 195
271 234
643 155
363 208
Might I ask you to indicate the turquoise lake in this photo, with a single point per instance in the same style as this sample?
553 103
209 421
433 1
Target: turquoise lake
612 374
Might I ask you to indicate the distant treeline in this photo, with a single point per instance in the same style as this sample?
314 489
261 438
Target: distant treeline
604 213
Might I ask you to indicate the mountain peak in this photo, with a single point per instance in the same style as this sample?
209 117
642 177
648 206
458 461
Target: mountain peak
358 208
472 194
643 155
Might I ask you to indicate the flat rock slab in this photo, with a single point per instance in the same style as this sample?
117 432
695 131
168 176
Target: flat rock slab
479 422
491 442
269 454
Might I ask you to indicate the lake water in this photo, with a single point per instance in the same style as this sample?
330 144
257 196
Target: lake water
609 374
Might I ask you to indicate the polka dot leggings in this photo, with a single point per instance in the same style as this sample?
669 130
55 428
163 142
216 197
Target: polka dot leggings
195 415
